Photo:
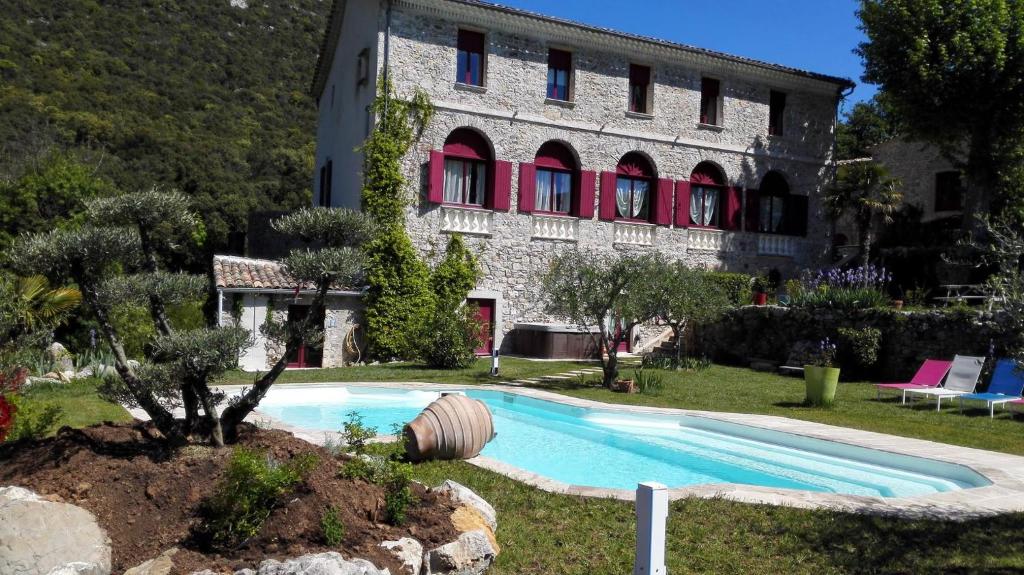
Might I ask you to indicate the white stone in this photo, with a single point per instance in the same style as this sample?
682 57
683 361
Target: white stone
466 220
635 234
159 565
409 552
705 240
466 496
776 245
470 554
554 228
60 357
39 537
330 563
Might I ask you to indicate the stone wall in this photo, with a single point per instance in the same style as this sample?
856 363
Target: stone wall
512 113
915 164
908 338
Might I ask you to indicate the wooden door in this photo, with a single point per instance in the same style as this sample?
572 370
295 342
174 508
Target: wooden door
485 315
304 356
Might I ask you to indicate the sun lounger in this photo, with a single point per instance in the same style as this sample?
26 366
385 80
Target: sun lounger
929 375
1007 385
961 380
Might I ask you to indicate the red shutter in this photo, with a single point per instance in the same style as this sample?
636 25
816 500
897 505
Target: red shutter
502 190
753 215
682 204
663 203
435 187
733 209
527 187
584 205
796 215
607 206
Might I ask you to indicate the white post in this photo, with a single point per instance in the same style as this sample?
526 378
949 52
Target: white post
651 515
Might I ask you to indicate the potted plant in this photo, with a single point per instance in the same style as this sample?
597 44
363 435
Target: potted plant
624 386
760 290
821 376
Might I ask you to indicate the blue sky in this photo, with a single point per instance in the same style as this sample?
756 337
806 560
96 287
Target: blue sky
816 35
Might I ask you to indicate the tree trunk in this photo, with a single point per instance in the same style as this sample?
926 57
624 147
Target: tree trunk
160 416
678 329
980 179
210 409
235 413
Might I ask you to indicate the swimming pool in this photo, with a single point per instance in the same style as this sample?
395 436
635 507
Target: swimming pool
613 448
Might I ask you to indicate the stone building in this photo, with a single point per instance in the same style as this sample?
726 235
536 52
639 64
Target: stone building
550 135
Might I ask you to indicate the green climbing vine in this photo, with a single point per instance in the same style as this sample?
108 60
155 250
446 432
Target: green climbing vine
398 298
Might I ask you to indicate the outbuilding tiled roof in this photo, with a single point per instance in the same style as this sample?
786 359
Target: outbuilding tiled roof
238 272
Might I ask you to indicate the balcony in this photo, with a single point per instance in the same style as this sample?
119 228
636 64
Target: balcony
555 228
776 245
705 240
467 221
634 234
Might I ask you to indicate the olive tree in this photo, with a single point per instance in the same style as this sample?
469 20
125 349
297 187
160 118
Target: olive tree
686 297
596 291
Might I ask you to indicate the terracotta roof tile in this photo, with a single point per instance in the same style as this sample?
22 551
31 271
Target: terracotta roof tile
248 273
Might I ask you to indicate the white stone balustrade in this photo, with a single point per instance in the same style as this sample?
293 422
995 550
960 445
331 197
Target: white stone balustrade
705 240
555 228
467 221
776 245
634 234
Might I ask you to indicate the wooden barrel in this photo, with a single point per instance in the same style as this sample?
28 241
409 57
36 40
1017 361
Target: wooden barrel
452 427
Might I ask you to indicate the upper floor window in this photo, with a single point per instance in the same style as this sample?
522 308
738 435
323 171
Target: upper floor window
326 177
633 184
470 61
559 72
949 191
776 112
554 179
467 158
707 185
710 102
774 194
639 88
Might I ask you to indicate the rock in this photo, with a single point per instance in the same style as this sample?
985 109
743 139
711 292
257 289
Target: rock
320 564
464 495
60 357
466 519
159 565
39 537
470 554
52 376
409 552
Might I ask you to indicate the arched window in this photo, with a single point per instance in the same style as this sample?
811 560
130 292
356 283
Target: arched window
774 195
634 181
707 187
556 178
467 159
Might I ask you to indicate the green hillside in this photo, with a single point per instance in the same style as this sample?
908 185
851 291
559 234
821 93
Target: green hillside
203 96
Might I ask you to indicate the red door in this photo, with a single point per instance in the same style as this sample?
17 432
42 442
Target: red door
485 315
304 356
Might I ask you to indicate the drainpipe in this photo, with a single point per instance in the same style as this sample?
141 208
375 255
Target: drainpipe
387 51
220 307
841 95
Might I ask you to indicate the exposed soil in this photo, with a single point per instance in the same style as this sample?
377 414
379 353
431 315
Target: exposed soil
147 497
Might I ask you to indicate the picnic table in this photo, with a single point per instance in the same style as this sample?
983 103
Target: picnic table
968 293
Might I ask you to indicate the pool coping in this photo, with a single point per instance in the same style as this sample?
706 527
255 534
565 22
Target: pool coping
1004 471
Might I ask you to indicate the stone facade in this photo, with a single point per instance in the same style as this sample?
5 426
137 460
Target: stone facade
515 118
916 165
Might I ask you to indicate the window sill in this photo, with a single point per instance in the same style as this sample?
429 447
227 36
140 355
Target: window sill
466 207
634 222
705 228
560 103
470 88
639 115
710 127
565 215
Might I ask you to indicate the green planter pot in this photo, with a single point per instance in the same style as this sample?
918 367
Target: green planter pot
821 384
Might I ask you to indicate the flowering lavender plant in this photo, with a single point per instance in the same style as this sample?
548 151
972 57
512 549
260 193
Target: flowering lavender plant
865 276
856 288
825 355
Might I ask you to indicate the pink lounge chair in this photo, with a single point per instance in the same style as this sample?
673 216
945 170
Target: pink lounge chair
929 375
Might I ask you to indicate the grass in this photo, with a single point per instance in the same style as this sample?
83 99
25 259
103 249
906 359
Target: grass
544 533
510 368
80 404
731 389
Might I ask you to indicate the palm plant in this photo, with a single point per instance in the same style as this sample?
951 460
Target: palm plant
31 305
864 190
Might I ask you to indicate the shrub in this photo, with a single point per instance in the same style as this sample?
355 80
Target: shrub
331 528
397 493
856 288
859 347
398 298
647 382
253 485
356 433
449 340
736 286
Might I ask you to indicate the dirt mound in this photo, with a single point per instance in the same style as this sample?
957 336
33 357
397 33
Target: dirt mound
147 496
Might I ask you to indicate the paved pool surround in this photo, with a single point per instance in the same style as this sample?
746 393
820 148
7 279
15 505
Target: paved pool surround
1005 494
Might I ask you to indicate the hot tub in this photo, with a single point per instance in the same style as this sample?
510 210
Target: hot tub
554 341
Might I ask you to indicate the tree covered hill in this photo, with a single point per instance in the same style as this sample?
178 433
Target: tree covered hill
209 97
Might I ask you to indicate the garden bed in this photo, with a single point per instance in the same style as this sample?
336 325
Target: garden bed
148 497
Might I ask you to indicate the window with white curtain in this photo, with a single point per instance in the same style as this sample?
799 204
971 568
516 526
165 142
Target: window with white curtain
464 182
704 206
554 191
632 198
773 210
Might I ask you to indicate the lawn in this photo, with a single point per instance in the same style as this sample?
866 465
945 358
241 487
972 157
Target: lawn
80 405
479 372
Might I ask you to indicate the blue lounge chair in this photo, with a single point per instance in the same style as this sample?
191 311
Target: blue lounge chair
1007 385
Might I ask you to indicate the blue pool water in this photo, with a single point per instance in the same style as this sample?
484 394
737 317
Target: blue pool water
605 448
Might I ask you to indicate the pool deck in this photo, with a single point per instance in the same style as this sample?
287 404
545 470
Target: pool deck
1004 471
